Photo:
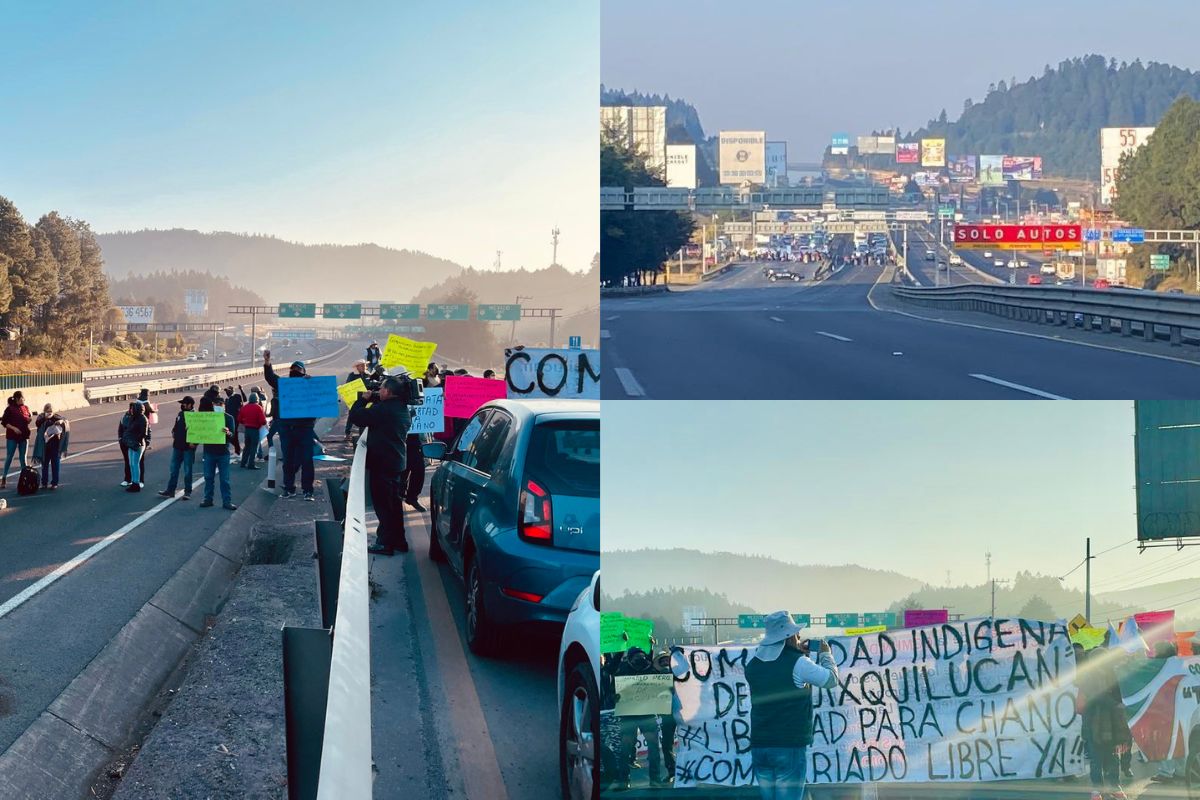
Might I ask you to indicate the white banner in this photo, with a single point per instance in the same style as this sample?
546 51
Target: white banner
681 165
1114 143
138 314
743 157
542 372
962 702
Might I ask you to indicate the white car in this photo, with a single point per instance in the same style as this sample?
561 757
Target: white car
999 262
1013 263
1022 262
579 697
987 253
191 357
955 259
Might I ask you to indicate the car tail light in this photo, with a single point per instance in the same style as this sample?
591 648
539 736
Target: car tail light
535 524
527 596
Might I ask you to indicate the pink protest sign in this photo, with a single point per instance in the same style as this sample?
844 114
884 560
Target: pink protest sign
916 617
464 394
1156 626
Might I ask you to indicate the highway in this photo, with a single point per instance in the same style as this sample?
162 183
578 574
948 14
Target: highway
739 337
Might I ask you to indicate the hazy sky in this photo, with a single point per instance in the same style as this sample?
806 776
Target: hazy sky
455 128
918 487
802 71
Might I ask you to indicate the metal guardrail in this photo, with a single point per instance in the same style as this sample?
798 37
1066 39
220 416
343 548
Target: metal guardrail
123 372
327 670
1060 305
35 380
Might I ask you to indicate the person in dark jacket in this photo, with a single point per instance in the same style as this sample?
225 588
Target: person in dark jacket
252 417
216 460
358 374
387 420
1104 726
53 430
637 662
183 455
295 435
134 431
233 404
16 420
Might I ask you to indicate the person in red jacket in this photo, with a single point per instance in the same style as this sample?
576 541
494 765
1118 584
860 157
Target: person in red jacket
253 418
16 420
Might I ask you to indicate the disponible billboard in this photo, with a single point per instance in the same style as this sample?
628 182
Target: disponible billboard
908 152
1021 168
681 165
1114 143
962 169
1018 237
933 152
991 170
743 156
1166 448
776 164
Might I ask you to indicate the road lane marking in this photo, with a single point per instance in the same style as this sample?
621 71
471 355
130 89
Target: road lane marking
614 316
629 383
1018 387
775 319
68 458
833 336
25 594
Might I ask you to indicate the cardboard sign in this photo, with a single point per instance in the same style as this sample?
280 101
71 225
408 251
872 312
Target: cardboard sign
430 416
414 356
205 427
541 372
618 632
643 694
348 391
314 396
464 394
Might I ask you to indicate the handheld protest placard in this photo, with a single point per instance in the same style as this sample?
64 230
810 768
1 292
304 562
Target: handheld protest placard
464 394
348 391
205 427
643 694
314 396
428 417
414 356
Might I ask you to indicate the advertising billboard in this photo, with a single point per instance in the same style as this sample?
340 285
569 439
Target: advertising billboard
908 152
776 164
743 156
136 314
1018 237
1166 447
839 144
643 127
962 169
681 165
1021 168
933 152
991 170
196 302
876 145
1114 143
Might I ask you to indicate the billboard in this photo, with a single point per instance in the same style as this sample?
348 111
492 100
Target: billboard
136 314
743 156
1166 448
1018 237
643 127
933 152
1021 168
1114 143
681 165
908 152
873 145
962 169
991 170
776 164
196 302
839 144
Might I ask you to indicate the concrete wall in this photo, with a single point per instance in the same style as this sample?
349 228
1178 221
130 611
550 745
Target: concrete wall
64 398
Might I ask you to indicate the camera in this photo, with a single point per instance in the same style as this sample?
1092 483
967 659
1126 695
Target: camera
412 391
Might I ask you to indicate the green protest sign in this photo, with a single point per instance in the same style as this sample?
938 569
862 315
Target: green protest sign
618 632
205 427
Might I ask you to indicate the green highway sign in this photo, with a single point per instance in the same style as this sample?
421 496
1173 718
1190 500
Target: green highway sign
841 621
298 310
399 311
802 619
888 618
1160 261
453 311
752 620
342 311
498 312
946 212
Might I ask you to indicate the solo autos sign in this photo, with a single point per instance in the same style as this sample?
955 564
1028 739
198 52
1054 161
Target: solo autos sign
1018 237
743 157
963 702
1114 143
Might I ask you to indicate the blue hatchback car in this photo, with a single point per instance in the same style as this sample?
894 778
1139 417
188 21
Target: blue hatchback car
515 508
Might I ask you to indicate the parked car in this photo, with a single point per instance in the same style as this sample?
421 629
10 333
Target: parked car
1101 283
192 357
579 696
930 255
515 511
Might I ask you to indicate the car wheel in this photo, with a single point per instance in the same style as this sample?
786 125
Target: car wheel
481 632
579 732
436 553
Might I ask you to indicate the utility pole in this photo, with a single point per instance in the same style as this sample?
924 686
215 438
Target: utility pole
1087 590
994 581
496 263
512 336
554 241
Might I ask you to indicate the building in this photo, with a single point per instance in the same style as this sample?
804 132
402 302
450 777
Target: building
643 127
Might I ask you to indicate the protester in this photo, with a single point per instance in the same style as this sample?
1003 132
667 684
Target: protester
233 404
1104 724
637 662
374 355
183 454
294 435
662 665
252 417
781 677
149 410
216 460
387 420
51 443
359 373
490 374
16 419
134 432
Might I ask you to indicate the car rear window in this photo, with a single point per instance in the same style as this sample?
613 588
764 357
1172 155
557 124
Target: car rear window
566 457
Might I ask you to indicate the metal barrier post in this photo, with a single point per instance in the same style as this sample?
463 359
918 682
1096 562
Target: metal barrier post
271 462
329 568
306 654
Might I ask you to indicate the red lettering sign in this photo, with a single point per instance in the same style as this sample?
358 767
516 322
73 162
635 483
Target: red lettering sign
1018 237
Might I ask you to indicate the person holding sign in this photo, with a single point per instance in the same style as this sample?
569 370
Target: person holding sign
636 662
782 676
387 420
183 453
216 456
295 434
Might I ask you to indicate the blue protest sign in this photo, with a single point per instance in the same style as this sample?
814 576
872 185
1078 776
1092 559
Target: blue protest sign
429 417
315 396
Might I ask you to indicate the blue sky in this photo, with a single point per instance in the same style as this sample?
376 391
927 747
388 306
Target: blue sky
802 71
918 487
458 129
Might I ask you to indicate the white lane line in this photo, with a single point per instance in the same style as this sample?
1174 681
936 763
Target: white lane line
629 383
1018 387
833 336
775 319
614 316
604 334
29 591
67 458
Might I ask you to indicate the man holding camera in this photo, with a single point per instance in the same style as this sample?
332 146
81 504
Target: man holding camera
782 676
388 420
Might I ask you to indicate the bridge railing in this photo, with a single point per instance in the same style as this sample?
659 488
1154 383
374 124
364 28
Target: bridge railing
37 380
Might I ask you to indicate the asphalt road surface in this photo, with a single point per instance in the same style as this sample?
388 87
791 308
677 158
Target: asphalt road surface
741 337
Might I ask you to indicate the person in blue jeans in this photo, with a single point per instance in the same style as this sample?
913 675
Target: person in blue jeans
183 454
216 459
781 677
134 434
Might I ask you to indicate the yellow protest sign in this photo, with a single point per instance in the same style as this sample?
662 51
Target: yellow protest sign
205 427
408 353
1088 638
349 391
865 631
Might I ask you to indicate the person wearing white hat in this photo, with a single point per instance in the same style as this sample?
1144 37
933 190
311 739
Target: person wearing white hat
782 676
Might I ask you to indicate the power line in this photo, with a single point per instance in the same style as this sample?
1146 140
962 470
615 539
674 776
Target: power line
1154 575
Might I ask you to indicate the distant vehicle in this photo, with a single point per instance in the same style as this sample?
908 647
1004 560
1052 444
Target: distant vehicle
1101 283
956 259
192 357
941 265
1013 263
204 353
999 262
1047 268
785 275
987 253
579 696
1022 262
542 458
299 352
930 255
224 355
1034 280
1175 291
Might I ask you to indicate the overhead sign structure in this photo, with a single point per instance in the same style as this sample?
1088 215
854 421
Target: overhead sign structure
1130 235
908 152
1017 237
888 618
298 310
743 157
752 620
1166 462
933 152
1091 234
681 165
493 312
776 164
399 311
1114 143
138 314
991 170
341 311
1160 261
448 311
842 620
912 216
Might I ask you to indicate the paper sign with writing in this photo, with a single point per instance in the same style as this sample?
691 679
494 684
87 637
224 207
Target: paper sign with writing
348 391
618 632
916 617
408 353
643 694
464 394
314 396
542 372
962 702
205 427
866 630
429 417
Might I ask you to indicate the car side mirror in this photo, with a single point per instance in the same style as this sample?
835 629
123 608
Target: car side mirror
434 450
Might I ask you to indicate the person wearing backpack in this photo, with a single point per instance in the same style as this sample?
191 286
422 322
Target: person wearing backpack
16 419
52 436
135 437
